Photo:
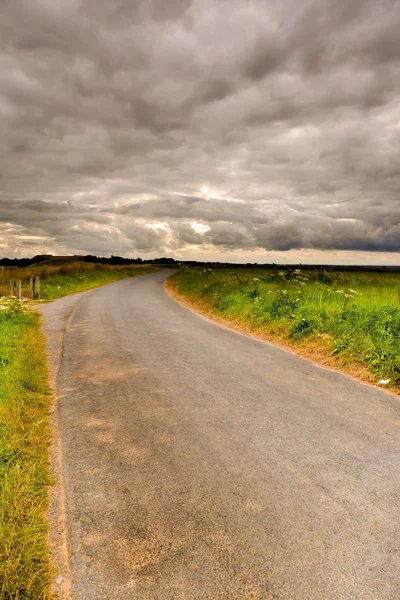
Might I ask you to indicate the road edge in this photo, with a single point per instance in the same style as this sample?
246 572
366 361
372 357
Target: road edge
54 329
360 375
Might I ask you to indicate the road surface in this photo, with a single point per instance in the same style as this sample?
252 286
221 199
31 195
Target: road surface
201 463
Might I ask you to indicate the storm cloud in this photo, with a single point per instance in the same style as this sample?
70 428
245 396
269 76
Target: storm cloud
198 128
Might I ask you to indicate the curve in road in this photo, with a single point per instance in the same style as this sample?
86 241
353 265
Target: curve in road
201 463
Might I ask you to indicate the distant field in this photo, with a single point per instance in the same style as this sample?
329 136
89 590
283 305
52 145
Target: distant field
351 317
61 278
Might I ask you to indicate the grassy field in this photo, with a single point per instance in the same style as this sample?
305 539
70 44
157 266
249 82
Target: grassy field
58 280
25 401
352 317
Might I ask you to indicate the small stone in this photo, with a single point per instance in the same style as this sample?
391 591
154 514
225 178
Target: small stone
59 579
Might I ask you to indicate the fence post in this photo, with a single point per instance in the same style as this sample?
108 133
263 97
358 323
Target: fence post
19 289
36 284
12 283
32 291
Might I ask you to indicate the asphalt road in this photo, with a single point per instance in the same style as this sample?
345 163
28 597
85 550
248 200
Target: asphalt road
201 463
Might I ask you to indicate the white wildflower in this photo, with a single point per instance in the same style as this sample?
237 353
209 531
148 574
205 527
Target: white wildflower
353 291
384 381
339 291
256 279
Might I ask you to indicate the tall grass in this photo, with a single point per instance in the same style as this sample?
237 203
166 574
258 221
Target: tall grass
356 314
24 440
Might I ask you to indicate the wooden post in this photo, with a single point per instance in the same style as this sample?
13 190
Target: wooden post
37 288
32 291
19 289
12 284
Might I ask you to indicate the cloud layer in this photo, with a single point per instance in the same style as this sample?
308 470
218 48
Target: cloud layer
200 128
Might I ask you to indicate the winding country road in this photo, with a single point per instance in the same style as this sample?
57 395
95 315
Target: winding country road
201 463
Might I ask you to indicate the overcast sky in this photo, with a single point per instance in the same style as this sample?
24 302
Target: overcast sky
249 130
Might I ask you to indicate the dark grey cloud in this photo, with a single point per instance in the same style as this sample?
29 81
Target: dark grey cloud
199 127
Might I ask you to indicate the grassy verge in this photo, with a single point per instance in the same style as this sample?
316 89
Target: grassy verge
25 400
24 441
346 319
71 277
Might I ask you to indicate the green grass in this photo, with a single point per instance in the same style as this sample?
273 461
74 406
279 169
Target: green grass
70 283
24 474
355 315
